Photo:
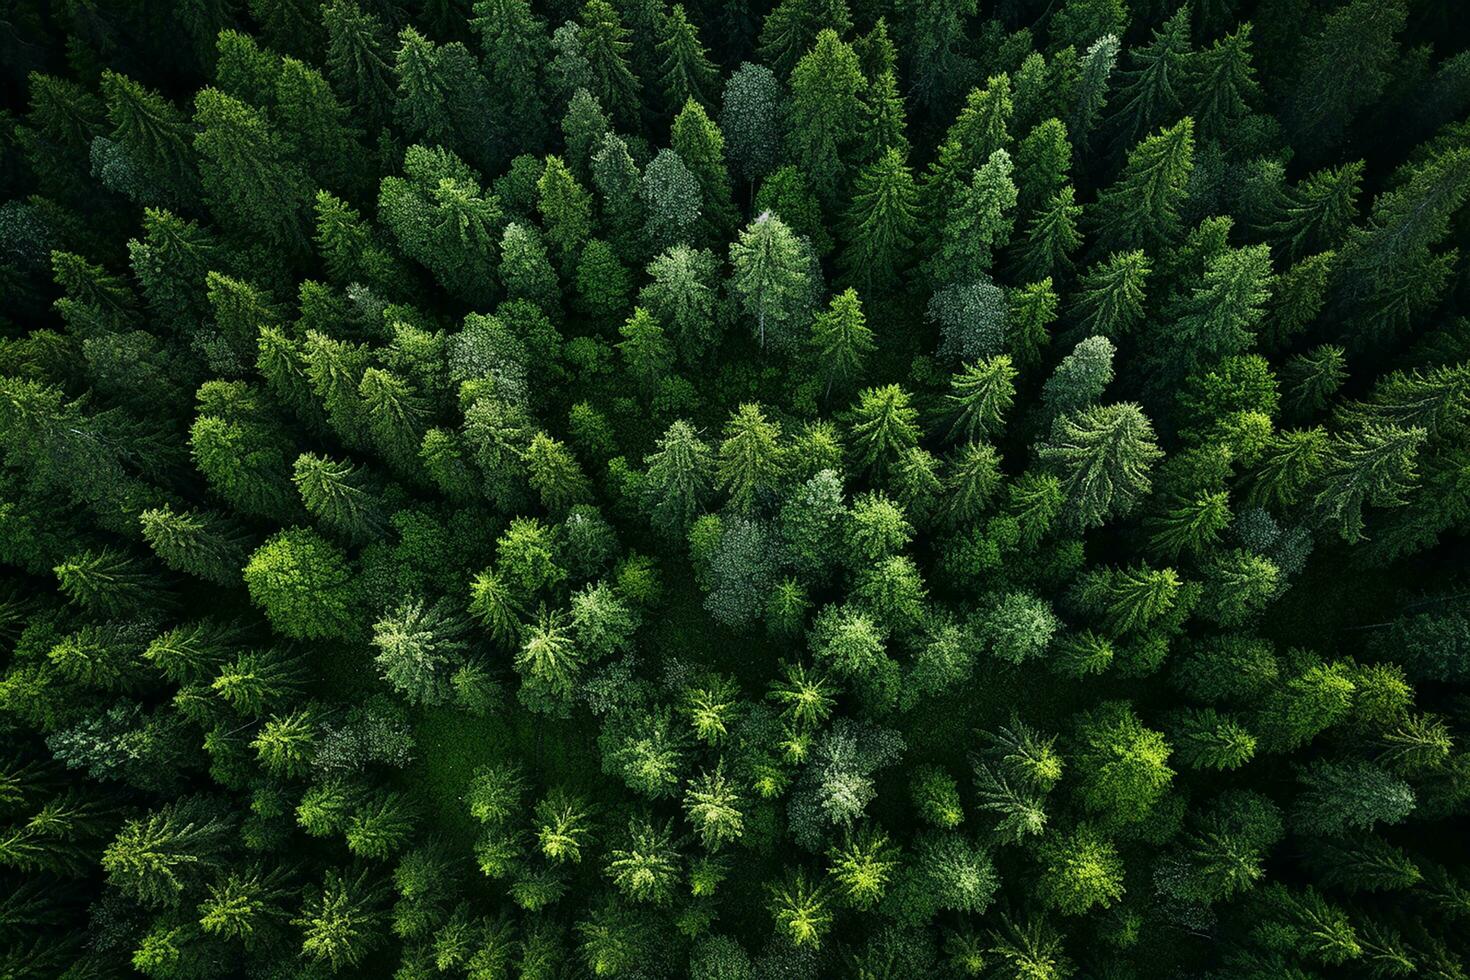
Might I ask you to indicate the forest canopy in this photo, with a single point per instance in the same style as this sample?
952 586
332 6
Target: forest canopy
872 489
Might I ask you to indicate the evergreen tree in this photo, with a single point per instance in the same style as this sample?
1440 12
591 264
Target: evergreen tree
1142 206
683 295
793 28
701 148
514 52
1052 236
979 223
826 113
159 858
153 142
687 71
772 279
1345 66
1222 83
439 94
250 182
1373 466
1153 88
885 123
565 208
841 339
604 43
195 542
750 457
358 61
1102 456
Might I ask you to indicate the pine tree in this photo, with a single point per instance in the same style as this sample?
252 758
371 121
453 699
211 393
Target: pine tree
318 128
341 921
862 866
550 664
883 424
674 200
1123 765
1079 872
1091 94
340 496
682 294
1340 797
159 858
1345 67
799 908
751 111
750 457
441 218
1319 211
359 60
712 804
1222 83
979 223
646 868
1220 316
353 249
526 269
935 50
1052 236
251 184
438 98
979 397
1387 272
1043 160
978 131
885 121
419 647
196 542
555 474
1113 293
792 29
1312 378
1364 863
303 583
645 350
619 187
1081 377
154 139
565 208
583 129
1373 466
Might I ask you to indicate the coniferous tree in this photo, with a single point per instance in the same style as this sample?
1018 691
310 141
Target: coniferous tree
514 50
1103 456
826 113
1142 206
362 358
841 339
604 43
772 279
687 72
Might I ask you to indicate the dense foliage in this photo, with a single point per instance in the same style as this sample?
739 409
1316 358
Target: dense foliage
741 491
